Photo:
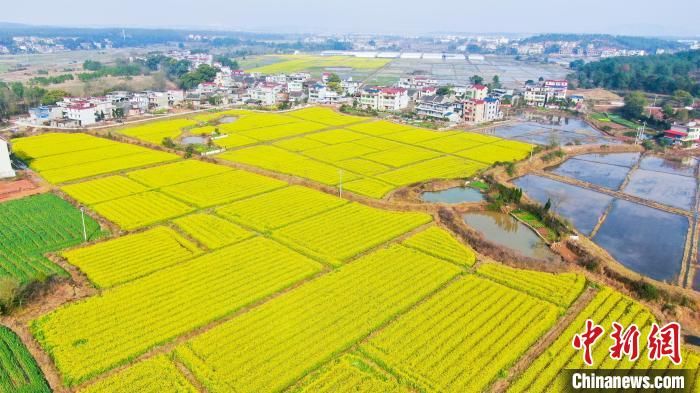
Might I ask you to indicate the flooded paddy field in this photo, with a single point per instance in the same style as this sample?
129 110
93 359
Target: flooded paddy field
646 240
548 130
669 189
605 175
453 195
506 231
580 206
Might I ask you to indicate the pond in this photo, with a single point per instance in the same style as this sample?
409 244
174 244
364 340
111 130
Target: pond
227 119
646 240
582 207
504 230
194 140
453 195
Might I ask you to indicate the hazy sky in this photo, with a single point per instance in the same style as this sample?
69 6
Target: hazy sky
638 17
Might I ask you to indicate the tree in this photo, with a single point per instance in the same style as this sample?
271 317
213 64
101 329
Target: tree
53 96
168 142
668 110
203 73
635 102
496 82
476 79
92 65
118 113
683 97
334 78
547 205
226 62
443 90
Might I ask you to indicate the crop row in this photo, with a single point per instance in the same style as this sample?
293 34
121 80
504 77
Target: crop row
155 375
90 337
270 347
123 259
561 289
212 231
140 210
460 339
279 208
345 232
545 372
103 189
349 374
441 244
18 369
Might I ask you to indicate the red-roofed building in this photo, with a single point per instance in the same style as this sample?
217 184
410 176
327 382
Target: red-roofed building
684 133
476 92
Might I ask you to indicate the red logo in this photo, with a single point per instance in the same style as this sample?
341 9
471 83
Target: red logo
586 340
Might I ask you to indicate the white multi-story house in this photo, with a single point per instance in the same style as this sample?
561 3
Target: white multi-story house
294 86
266 93
321 94
546 93
438 107
384 98
5 164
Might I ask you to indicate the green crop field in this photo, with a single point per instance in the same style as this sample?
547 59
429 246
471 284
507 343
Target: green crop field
19 371
33 226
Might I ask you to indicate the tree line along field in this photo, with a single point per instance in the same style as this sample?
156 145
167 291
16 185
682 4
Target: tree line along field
375 157
251 284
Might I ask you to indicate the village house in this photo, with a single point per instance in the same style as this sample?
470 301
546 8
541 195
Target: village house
545 93
5 163
438 107
482 111
384 98
688 133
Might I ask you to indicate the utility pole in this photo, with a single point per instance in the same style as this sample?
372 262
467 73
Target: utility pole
340 189
82 215
640 133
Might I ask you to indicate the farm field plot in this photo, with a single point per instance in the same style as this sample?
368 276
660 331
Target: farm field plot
347 374
492 153
50 144
461 338
272 346
33 226
155 132
177 172
234 140
441 244
279 208
103 189
369 187
375 156
212 231
123 259
272 133
326 116
85 156
295 63
76 172
155 375
439 168
92 336
561 289
19 371
222 188
140 210
343 233
606 307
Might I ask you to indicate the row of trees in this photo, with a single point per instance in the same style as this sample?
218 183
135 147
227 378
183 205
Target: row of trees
16 98
664 74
